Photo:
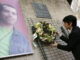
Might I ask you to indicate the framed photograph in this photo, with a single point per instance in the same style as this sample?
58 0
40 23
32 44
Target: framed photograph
14 38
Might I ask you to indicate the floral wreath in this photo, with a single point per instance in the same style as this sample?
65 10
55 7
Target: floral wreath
44 31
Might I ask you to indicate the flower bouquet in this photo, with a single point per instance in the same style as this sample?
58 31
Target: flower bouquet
45 32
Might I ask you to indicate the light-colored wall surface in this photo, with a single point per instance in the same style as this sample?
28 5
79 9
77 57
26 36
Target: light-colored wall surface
57 8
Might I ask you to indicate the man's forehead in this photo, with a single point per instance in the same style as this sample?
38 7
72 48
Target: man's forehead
9 8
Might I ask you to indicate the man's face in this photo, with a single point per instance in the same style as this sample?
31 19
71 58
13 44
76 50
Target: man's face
67 25
9 15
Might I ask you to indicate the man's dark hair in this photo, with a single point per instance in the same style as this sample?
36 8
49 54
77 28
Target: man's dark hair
70 18
1 6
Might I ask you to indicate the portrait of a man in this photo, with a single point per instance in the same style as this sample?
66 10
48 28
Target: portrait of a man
12 41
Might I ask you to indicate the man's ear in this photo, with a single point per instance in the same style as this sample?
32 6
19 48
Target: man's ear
70 23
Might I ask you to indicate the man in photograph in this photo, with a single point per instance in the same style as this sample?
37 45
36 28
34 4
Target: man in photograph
11 40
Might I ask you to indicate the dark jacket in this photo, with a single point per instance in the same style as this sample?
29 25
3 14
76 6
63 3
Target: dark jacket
73 43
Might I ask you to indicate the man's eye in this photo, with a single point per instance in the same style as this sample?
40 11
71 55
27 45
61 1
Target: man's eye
6 11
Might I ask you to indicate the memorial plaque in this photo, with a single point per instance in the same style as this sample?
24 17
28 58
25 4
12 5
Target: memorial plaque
41 10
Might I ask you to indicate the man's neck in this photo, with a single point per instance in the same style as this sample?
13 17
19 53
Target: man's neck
7 26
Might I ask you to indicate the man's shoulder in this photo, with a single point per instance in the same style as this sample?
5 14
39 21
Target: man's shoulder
18 33
76 31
